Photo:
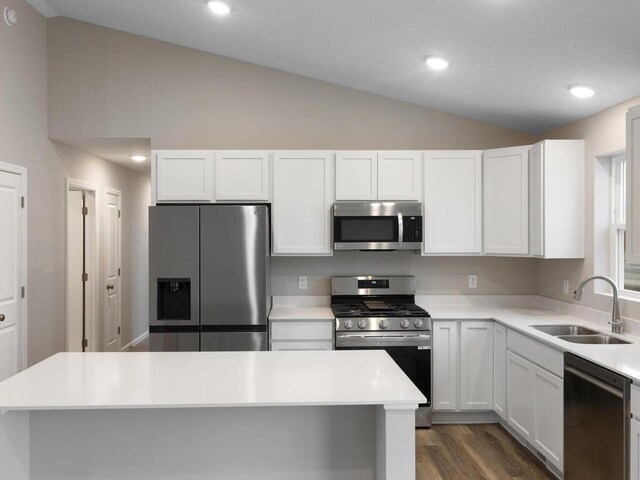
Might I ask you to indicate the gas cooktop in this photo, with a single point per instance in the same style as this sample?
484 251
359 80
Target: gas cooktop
377 308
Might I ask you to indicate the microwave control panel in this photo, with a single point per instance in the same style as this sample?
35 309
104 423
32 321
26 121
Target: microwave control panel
412 229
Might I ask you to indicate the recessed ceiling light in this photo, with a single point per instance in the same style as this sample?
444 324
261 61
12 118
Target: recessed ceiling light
438 63
582 91
138 158
219 8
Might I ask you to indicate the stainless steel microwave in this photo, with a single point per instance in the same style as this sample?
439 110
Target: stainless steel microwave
377 226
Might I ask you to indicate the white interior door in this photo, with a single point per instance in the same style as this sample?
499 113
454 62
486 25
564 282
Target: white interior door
10 274
74 271
112 273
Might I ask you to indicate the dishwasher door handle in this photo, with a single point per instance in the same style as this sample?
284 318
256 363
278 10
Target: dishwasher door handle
596 381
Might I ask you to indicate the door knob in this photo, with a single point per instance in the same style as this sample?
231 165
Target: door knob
110 286
2 317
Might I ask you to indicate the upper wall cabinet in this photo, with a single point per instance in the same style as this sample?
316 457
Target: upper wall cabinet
400 175
184 175
506 201
302 201
556 182
356 175
242 175
632 253
453 202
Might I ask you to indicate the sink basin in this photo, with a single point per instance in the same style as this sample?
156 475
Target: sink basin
593 339
557 330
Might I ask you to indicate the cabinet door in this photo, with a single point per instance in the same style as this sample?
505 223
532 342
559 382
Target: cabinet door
277 345
634 450
476 366
500 370
520 401
302 200
399 175
242 175
184 176
549 406
536 185
356 176
445 365
453 202
506 201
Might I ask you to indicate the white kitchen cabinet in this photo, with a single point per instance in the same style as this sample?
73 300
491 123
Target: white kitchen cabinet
632 252
520 406
242 175
184 175
453 202
462 365
399 175
548 414
556 172
302 334
302 201
634 450
445 365
500 370
506 201
356 175
476 365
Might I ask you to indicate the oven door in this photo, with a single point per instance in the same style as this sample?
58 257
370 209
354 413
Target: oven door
412 353
367 232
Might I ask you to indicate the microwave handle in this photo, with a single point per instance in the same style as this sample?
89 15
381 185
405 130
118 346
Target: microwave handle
400 229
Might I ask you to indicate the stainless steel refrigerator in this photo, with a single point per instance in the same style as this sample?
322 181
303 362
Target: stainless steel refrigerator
208 277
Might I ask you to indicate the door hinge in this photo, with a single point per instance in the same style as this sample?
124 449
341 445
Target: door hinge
85 277
118 272
85 211
22 291
118 330
85 343
118 213
22 202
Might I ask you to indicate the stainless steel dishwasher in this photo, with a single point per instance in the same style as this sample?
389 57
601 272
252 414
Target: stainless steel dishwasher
596 421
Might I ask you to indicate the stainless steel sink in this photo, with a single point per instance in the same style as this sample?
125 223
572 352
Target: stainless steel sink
599 339
557 330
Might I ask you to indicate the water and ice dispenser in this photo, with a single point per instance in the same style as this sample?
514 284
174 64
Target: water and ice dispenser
174 299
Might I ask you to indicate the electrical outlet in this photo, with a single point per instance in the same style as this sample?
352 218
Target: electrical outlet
302 283
473 281
565 287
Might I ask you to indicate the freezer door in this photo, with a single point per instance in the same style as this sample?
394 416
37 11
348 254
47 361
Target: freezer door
174 265
174 342
233 341
234 262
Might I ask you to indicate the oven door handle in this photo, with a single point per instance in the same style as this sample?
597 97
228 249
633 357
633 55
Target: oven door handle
359 341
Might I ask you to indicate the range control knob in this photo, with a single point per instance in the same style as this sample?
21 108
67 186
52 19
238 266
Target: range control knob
404 323
384 323
418 323
348 324
362 323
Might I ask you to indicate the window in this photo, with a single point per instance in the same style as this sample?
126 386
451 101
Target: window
625 274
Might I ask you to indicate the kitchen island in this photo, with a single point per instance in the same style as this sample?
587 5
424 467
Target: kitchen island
213 415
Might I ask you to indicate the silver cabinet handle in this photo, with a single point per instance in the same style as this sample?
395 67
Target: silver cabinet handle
110 286
2 317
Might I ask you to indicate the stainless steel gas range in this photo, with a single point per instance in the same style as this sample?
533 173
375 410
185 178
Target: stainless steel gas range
379 313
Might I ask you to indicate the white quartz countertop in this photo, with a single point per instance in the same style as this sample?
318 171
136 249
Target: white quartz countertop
624 359
209 379
301 313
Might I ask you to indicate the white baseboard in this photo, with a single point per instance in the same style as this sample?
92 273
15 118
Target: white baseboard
135 341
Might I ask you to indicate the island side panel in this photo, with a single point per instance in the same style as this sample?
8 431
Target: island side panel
241 443
396 442
14 445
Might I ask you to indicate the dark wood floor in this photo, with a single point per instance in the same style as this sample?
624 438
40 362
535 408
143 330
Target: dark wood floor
466 452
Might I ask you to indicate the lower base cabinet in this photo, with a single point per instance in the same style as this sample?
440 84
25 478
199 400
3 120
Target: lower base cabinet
535 407
301 334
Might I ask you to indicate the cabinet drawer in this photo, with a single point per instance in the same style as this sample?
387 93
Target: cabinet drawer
302 345
302 330
543 356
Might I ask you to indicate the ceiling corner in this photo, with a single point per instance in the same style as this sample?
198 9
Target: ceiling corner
43 7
